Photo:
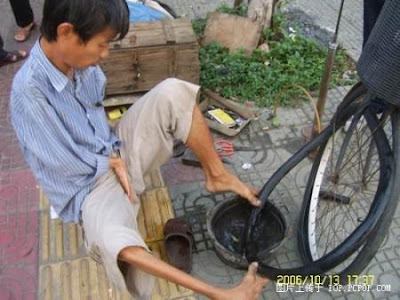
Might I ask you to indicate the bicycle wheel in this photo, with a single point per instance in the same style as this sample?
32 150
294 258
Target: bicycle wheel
351 107
379 234
347 177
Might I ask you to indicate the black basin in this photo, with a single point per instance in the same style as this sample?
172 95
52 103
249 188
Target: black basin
226 225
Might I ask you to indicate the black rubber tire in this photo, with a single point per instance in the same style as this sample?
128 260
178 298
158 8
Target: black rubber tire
359 236
379 234
347 108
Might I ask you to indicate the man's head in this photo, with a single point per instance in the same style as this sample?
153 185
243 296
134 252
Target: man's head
82 29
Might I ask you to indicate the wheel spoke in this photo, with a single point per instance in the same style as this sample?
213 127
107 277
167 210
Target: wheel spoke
351 172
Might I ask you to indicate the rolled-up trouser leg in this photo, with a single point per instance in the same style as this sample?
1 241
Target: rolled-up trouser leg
148 129
109 222
147 132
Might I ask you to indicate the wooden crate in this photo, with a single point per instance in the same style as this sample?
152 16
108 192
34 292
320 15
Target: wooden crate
150 53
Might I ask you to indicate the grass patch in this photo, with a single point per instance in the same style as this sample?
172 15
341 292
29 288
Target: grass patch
264 77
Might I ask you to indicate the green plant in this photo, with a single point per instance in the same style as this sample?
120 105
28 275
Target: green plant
240 10
265 77
199 26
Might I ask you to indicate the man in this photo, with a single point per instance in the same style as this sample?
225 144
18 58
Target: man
91 174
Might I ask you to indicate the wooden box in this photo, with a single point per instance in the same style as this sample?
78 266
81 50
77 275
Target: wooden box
150 53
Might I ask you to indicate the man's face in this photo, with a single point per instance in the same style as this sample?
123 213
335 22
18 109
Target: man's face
79 55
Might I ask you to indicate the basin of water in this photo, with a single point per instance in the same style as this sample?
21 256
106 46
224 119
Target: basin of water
226 225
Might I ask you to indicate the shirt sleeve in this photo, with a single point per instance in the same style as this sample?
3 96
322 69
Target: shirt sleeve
40 132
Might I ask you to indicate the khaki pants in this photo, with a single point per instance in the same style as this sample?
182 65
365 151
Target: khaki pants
147 131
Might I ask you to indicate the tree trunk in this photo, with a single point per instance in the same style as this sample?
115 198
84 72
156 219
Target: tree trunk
261 11
237 3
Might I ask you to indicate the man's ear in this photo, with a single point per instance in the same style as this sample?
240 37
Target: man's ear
65 31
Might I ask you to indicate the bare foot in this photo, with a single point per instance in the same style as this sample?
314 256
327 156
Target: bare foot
228 182
23 33
12 57
249 289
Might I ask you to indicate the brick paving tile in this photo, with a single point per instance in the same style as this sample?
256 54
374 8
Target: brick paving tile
174 172
19 236
18 193
18 282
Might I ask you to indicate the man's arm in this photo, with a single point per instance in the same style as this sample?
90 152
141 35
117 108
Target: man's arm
42 134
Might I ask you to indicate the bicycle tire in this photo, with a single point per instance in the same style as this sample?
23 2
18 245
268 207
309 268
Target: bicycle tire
379 234
356 240
306 235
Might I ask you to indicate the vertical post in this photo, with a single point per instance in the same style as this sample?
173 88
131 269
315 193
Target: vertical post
310 133
323 91
237 3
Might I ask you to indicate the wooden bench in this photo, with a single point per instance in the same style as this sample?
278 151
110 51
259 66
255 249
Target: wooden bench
67 272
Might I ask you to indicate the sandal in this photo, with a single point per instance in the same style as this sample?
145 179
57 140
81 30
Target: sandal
13 57
178 241
179 148
23 33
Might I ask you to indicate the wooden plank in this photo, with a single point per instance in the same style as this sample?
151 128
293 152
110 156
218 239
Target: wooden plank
244 113
233 32
122 100
147 34
169 31
150 67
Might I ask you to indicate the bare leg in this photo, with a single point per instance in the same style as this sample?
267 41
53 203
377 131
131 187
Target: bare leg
218 178
249 289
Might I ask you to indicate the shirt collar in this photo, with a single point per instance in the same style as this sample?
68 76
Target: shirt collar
57 78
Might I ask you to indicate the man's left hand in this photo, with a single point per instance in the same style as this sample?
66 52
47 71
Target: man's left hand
120 170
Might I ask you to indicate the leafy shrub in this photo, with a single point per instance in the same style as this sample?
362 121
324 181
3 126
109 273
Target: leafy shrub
266 77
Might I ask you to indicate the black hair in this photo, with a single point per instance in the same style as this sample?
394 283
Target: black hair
89 17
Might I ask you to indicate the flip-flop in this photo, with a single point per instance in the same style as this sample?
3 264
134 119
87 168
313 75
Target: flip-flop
179 148
13 57
178 241
24 33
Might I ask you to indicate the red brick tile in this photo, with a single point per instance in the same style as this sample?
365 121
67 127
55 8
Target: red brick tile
19 239
18 283
11 158
18 192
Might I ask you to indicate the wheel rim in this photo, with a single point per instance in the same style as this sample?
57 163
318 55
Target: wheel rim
356 178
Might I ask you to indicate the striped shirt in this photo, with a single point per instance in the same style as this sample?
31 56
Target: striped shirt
62 129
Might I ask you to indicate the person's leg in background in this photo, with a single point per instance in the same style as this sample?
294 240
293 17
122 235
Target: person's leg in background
24 17
3 53
10 57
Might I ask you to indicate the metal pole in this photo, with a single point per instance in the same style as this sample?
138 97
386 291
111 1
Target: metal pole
324 86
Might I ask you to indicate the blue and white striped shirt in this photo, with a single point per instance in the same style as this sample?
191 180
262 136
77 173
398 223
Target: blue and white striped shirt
62 129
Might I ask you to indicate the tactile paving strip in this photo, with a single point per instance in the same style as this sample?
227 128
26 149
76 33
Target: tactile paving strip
66 272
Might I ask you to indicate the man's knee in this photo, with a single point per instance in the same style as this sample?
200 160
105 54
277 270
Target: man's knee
172 82
177 92
171 97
